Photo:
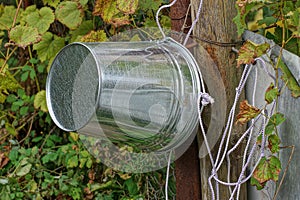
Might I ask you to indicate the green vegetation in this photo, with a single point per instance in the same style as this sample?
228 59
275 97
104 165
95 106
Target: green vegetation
277 20
38 160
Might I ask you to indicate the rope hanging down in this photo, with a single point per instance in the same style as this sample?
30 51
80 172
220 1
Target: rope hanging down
192 26
205 99
223 150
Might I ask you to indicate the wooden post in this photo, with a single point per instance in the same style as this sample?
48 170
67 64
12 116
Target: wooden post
187 169
215 24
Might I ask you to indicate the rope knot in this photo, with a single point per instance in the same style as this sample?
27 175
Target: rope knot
213 172
206 99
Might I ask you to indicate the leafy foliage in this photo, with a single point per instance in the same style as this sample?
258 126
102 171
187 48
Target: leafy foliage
249 51
267 169
271 94
23 36
276 20
68 13
37 160
289 79
49 46
41 19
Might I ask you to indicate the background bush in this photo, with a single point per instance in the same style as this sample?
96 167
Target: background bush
38 160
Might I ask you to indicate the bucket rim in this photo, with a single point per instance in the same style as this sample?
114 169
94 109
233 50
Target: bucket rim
48 86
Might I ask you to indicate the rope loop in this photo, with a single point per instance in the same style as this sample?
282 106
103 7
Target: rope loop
206 98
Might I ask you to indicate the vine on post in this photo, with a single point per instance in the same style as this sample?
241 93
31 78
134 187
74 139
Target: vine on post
278 21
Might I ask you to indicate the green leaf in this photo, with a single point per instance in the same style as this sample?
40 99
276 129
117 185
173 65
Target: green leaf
2 98
72 162
40 101
24 167
33 186
19 102
108 11
14 155
53 3
24 76
24 14
271 93
82 30
32 74
11 98
241 26
267 169
289 79
83 2
84 153
69 14
255 182
40 68
277 119
131 186
49 46
165 21
50 157
7 83
152 5
41 19
103 186
243 8
24 110
7 17
82 162
11 129
249 51
33 61
274 142
274 121
23 36
89 163
37 139
55 138
268 21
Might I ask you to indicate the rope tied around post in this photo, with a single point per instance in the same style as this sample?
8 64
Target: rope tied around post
205 99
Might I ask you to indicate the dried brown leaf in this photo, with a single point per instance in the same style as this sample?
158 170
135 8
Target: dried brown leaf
247 112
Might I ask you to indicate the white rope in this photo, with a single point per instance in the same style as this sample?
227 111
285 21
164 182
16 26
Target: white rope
194 23
167 175
224 152
205 99
192 26
157 16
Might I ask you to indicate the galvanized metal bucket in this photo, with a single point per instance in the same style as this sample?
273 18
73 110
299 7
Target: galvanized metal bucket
142 94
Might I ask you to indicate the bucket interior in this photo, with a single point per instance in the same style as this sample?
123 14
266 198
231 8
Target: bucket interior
73 85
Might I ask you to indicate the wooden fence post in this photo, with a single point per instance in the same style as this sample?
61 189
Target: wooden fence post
215 24
187 170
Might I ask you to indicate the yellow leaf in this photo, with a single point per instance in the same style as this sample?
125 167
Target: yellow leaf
249 51
74 136
124 176
40 101
127 6
108 11
94 36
